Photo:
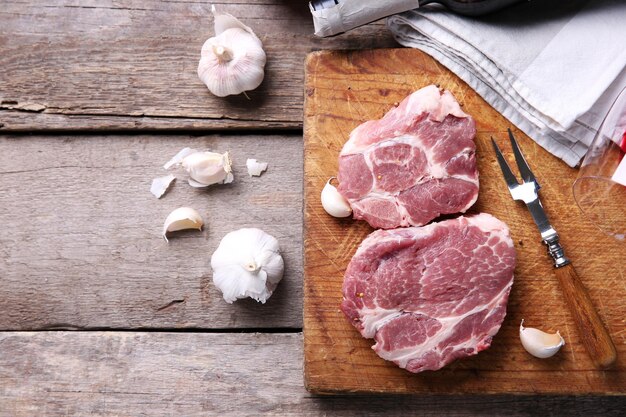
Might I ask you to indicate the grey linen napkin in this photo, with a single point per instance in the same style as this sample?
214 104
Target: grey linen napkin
552 68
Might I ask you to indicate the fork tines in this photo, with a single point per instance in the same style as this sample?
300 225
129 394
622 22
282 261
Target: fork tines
524 168
509 177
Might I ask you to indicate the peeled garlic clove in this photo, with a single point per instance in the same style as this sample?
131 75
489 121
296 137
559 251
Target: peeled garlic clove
255 168
247 263
333 202
233 61
538 343
181 219
160 185
207 168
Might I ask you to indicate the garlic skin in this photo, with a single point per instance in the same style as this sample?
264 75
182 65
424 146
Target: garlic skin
333 202
247 263
178 158
538 343
208 168
160 185
255 168
232 61
180 219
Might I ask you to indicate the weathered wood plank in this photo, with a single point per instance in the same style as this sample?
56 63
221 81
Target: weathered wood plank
81 246
158 374
131 64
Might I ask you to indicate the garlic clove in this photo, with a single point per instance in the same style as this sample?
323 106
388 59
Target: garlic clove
247 263
255 168
232 61
181 219
196 184
538 343
208 168
160 185
333 202
178 158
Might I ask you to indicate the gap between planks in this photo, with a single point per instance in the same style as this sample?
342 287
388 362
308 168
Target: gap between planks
242 330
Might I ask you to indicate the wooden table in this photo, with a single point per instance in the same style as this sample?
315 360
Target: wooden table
99 316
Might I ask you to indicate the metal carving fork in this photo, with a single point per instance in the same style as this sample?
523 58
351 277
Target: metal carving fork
592 331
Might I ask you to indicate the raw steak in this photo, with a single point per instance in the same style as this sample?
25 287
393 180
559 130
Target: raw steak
413 165
430 295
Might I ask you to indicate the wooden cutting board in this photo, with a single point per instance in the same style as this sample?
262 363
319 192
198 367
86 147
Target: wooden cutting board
344 89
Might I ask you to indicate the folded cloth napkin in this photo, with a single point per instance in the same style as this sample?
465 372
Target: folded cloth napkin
552 68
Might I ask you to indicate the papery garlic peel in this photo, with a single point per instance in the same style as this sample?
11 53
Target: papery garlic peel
247 263
255 168
178 158
538 343
333 202
181 219
160 185
232 61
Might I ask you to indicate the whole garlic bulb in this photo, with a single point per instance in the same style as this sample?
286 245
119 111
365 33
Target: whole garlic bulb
247 263
232 61
207 168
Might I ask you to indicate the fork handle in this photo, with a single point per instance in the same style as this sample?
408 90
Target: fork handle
591 329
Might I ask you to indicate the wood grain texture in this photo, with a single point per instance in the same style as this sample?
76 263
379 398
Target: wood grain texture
193 374
81 245
593 332
343 90
131 64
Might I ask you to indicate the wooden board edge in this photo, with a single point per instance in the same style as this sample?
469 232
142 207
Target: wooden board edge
326 391
309 61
